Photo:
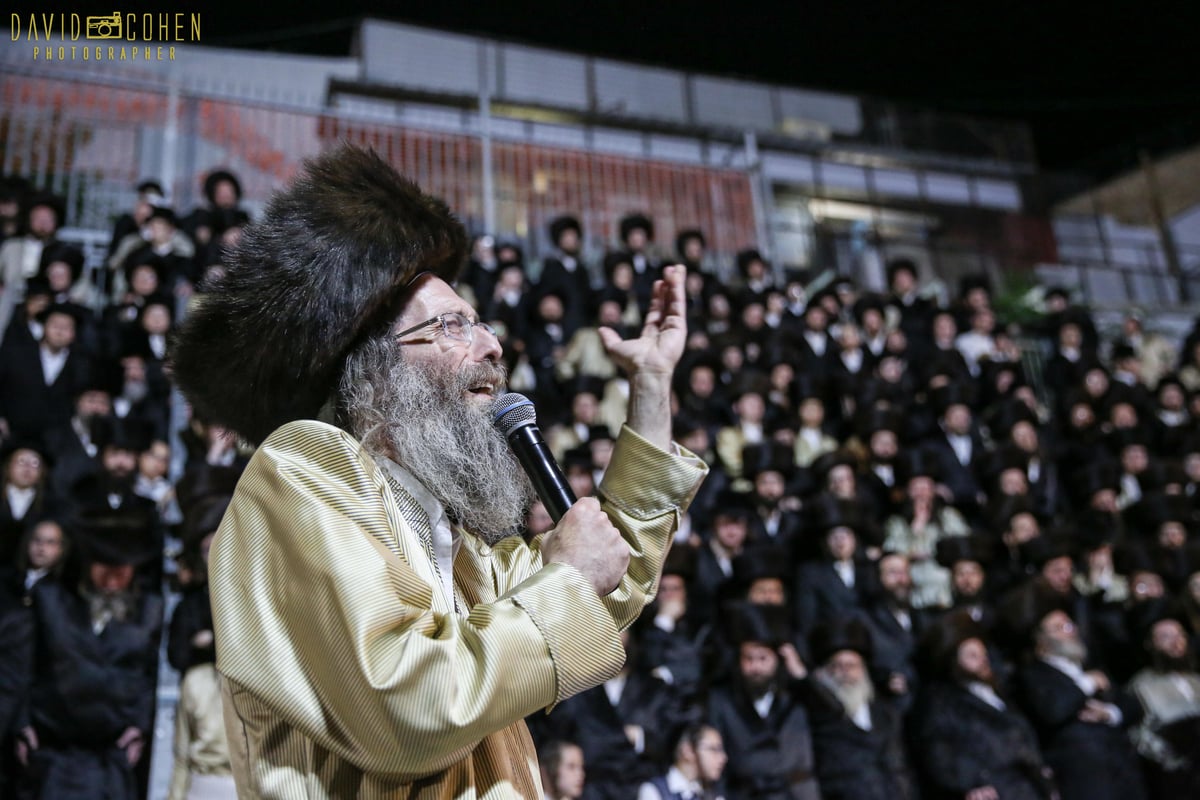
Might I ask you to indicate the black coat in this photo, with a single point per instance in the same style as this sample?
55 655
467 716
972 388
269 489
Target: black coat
71 460
1091 761
959 478
770 758
962 743
30 405
614 768
87 690
12 528
191 616
854 764
821 595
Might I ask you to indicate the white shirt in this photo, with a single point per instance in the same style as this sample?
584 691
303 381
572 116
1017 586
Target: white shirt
862 717
19 500
853 359
32 576
845 571
885 473
614 688
52 363
85 436
677 783
158 345
961 446
1085 682
446 540
763 704
817 341
987 694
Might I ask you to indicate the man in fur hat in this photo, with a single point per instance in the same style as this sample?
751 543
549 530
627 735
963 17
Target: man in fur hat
637 233
974 743
565 272
379 631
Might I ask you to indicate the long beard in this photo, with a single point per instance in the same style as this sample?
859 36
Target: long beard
1071 649
853 696
106 607
417 415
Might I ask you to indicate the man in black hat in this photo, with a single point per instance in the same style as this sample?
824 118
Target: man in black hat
95 656
380 624
724 542
761 720
162 238
972 741
689 245
895 628
565 272
1168 689
37 383
836 583
913 312
21 256
119 443
637 232
957 443
24 497
967 559
222 194
1080 716
769 468
625 727
859 742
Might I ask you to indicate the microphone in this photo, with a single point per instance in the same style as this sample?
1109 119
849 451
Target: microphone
514 416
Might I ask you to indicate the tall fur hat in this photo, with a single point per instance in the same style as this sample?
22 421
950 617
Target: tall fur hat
632 222
326 266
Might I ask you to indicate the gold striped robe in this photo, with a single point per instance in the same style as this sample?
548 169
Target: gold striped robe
347 676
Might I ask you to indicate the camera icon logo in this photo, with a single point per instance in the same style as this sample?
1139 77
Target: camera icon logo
108 27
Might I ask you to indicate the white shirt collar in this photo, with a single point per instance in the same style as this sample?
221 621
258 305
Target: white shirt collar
446 539
987 694
19 500
763 704
1073 671
52 363
678 783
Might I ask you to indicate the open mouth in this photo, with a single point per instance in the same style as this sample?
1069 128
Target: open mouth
485 389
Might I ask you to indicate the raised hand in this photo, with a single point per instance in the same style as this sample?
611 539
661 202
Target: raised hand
660 345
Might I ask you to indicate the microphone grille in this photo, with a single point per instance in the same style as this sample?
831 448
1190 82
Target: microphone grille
511 411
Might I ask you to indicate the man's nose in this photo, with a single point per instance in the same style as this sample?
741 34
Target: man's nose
488 342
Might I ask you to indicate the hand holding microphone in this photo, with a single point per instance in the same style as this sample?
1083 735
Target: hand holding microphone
583 537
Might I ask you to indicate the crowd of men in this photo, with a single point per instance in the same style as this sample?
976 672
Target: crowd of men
918 568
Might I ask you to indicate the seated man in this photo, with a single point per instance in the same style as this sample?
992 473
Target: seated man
1169 691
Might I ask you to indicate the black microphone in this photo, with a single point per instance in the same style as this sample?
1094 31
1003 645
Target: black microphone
513 414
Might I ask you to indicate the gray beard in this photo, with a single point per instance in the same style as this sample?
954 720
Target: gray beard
104 608
416 415
1074 651
852 696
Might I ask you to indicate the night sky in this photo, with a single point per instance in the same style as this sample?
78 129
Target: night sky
1096 81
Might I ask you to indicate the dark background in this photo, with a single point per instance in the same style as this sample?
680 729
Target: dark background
1096 81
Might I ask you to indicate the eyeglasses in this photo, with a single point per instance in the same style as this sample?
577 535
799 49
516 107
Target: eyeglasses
454 325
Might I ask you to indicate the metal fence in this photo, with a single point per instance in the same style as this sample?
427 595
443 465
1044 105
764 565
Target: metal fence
92 143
